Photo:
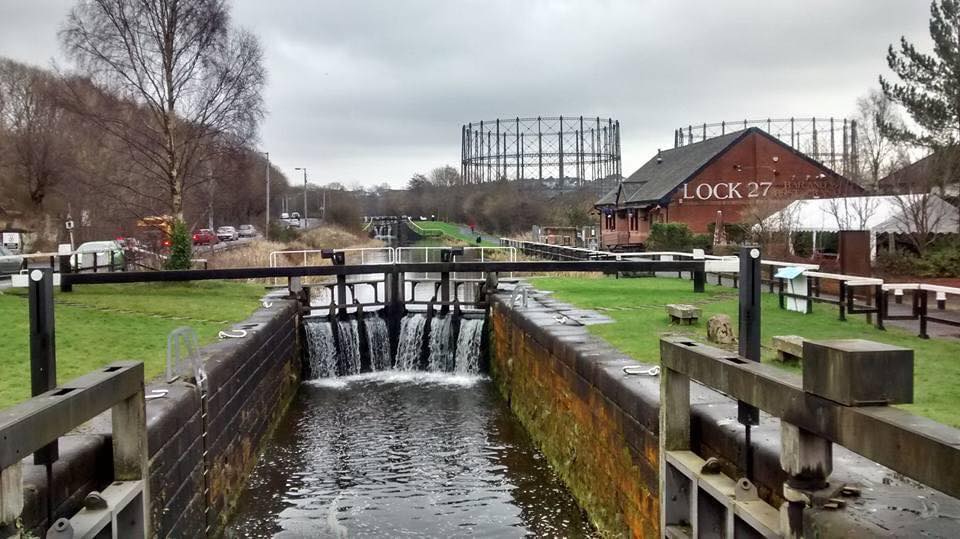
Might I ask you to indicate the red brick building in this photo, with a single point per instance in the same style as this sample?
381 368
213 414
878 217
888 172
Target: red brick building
745 175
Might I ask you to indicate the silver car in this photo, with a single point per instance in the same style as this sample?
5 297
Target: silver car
9 262
227 233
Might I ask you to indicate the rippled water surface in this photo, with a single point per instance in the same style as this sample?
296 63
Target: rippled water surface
404 454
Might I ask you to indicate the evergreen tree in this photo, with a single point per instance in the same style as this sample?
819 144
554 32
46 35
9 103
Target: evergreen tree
929 91
180 247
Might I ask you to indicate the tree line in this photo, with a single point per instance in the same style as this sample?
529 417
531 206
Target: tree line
157 115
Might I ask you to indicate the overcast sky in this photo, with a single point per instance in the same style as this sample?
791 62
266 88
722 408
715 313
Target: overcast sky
372 92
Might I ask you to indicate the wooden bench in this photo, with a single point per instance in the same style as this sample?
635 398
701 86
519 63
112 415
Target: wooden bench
680 312
789 347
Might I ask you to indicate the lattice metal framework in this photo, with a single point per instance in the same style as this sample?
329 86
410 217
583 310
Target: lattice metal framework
573 150
831 141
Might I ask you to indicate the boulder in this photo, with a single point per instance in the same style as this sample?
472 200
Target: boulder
720 329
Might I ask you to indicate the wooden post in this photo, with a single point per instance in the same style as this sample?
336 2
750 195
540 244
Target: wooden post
11 498
130 452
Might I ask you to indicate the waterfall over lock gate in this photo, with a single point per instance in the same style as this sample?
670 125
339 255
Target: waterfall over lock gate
469 342
321 349
378 342
440 358
441 343
410 342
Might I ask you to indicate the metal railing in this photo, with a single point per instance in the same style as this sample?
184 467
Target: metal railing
304 256
856 295
413 254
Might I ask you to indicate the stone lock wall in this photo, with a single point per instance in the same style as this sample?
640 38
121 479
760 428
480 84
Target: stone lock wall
251 380
599 428
598 433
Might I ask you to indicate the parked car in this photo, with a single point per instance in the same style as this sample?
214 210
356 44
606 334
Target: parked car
227 233
99 254
247 231
9 262
205 236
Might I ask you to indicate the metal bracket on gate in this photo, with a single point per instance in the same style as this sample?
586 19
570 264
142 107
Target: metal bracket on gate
519 293
180 365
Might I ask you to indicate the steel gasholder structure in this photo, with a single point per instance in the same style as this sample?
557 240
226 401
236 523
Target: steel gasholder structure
831 141
571 150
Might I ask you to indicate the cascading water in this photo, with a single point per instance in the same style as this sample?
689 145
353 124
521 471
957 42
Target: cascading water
410 342
322 352
441 353
334 348
378 342
467 357
348 347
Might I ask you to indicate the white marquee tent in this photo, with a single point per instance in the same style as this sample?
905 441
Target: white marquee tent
900 214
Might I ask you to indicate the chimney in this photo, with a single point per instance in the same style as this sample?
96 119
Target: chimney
659 157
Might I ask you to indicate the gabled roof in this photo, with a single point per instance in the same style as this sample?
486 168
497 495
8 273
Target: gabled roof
908 177
654 181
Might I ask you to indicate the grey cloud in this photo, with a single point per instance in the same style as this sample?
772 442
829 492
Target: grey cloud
368 92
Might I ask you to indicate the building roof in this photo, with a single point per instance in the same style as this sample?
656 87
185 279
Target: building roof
888 213
654 181
933 172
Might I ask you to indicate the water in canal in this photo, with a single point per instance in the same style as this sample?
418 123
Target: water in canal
401 453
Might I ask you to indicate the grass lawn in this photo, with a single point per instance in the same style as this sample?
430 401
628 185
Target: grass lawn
637 307
98 324
452 230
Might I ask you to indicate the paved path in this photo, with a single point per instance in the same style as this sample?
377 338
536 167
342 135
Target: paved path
465 230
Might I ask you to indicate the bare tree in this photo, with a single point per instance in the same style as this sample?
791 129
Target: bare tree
852 213
920 217
878 151
445 176
35 145
198 81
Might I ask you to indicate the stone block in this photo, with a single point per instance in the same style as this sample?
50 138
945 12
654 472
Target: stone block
720 330
789 347
857 372
680 312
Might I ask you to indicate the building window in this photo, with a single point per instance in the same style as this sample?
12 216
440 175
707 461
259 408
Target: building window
610 221
634 220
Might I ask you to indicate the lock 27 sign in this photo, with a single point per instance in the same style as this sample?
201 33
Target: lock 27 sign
726 190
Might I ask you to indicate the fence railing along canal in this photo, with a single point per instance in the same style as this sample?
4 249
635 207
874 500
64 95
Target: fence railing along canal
800 288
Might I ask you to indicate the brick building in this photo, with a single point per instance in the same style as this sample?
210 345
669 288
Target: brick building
746 175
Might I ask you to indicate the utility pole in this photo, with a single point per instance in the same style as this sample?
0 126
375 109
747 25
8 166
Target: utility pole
266 227
304 169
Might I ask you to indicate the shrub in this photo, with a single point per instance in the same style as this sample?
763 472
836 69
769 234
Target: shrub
676 237
943 262
180 247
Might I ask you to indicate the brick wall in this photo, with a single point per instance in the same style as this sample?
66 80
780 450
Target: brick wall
752 160
251 380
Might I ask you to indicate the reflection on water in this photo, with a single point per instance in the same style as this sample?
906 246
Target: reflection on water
394 454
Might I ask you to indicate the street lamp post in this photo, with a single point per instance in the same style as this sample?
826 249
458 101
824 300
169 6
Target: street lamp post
266 227
304 169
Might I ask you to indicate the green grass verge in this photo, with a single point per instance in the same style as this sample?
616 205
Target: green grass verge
453 231
98 324
637 307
